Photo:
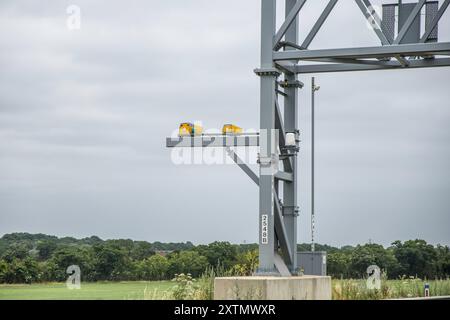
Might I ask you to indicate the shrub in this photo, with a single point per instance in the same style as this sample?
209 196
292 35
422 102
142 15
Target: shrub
153 268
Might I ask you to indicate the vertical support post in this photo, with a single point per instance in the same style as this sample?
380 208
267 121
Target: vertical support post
268 76
313 90
290 208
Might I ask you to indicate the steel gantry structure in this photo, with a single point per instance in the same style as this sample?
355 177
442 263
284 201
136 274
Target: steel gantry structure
282 61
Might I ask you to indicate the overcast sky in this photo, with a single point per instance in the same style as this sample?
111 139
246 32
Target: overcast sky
84 115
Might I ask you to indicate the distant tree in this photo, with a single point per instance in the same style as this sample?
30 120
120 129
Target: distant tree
20 271
28 258
443 261
416 258
187 262
112 263
153 268
20 237
46 248
62 258
3 271
141 250
68 240
91 240
16 251
219 253
366 255
125 245
338 264
171 246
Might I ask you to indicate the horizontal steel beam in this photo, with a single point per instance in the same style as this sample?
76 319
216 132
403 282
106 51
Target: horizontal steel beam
213 141
353 61
422 49
391 65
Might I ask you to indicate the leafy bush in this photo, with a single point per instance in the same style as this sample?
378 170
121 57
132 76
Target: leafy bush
20 271
247 263
184 288
187 262
153 268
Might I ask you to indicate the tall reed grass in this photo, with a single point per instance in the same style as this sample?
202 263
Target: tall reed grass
390 289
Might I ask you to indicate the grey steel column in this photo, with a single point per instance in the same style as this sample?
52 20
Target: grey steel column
290 209
268 75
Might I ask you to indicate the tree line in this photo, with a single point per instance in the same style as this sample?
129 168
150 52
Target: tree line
29 258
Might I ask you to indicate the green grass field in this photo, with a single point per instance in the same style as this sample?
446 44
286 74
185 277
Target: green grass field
89 291
342 290
390 289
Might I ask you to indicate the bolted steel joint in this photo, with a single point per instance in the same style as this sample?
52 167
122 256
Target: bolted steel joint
291 211
267 161
264 72
291 84
269 165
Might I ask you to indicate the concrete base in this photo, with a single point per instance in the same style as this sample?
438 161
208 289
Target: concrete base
273 288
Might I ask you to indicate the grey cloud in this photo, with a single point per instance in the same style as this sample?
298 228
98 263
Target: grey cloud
84 116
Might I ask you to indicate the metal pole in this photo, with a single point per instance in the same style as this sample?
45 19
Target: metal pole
314 88
312 164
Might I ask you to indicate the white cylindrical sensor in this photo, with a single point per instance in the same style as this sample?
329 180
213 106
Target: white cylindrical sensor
290 139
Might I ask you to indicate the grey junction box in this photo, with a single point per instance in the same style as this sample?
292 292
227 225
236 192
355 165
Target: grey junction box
312 263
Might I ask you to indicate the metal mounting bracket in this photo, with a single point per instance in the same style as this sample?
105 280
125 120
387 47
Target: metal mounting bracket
273 72
291 211
291 84
268 161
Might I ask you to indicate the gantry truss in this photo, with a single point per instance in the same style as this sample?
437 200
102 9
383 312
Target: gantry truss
282 60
